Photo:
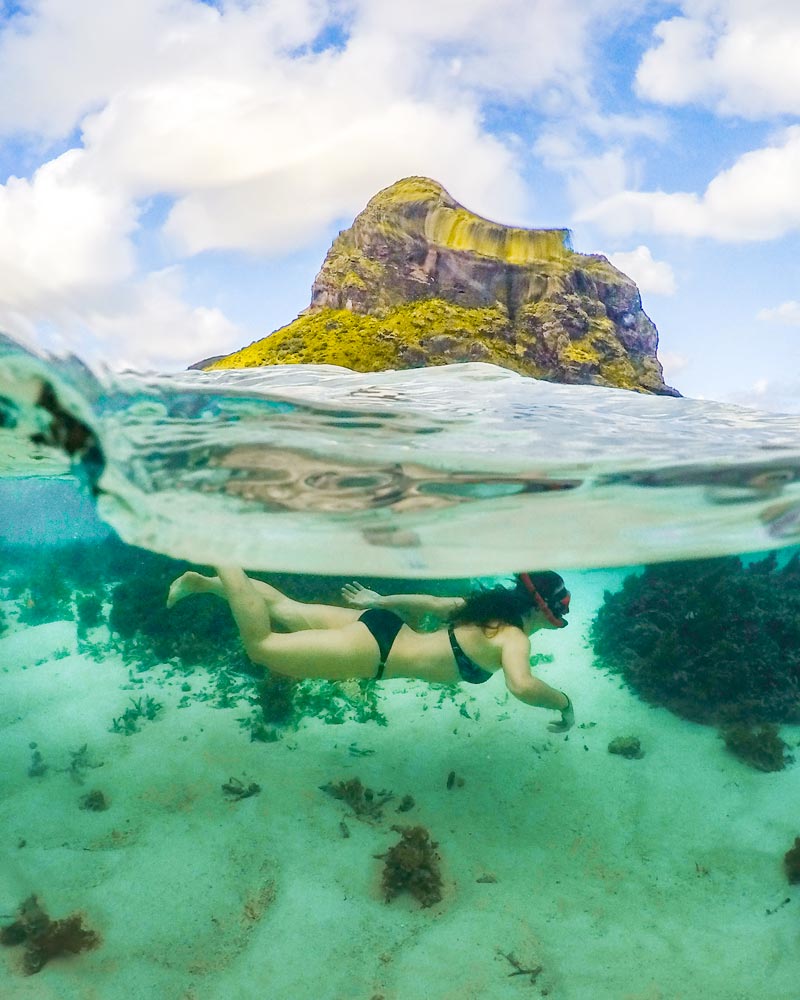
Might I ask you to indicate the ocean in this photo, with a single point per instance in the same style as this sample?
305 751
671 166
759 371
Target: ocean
177 825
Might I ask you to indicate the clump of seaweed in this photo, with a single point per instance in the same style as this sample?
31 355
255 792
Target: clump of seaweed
365 803
454 781
45 939
274 698
761 748
281 703
676 633
236 789
88 612
259 733
412 866
336 703
37 767
80 762
627 746
791 862
197 632
141 708
134 583
534 971
47 598
94 801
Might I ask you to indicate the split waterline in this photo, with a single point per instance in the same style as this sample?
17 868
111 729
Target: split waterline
463 470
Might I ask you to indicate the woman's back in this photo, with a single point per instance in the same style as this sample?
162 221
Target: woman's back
429 655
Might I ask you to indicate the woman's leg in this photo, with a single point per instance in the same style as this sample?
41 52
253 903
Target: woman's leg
335 654
285 614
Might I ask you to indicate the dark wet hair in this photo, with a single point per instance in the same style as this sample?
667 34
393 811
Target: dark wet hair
506 605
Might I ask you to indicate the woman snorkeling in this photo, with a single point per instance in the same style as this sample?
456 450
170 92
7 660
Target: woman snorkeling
377 636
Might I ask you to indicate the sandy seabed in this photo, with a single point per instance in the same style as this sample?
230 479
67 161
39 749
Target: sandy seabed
651 879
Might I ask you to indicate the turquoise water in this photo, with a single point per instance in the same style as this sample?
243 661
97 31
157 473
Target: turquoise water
566 871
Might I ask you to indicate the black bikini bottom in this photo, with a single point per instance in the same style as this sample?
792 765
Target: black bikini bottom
384 626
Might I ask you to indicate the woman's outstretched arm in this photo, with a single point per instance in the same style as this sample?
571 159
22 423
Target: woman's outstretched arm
529 689
412 608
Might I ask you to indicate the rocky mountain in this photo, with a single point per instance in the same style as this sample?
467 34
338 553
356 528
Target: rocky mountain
419 280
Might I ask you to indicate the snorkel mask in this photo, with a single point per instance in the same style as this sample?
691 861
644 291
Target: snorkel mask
555 607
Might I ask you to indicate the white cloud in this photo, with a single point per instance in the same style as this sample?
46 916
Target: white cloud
296 196
68 270
143 324
264 146
227 124
61 233
260 135
590 178
787 314
158 328
515 47
672 363
767 395
60 59
655 276
736 55
593 151
758 198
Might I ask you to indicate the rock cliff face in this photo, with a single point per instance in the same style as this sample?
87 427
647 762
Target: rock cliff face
418 280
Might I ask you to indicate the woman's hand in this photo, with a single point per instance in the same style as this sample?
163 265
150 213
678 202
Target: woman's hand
567 718
360 597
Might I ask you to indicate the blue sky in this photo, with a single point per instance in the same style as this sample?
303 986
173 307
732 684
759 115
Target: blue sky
172 172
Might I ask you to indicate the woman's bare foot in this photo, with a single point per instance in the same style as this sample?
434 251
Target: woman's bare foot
189 583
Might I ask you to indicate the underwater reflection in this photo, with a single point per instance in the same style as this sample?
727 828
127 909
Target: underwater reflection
284 479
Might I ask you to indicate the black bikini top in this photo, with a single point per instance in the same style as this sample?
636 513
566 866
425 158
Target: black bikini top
469 670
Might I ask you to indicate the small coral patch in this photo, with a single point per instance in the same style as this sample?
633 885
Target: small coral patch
45 939
412 865
791 862
761 748
626 746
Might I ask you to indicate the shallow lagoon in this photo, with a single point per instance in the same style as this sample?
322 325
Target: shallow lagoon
654 878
